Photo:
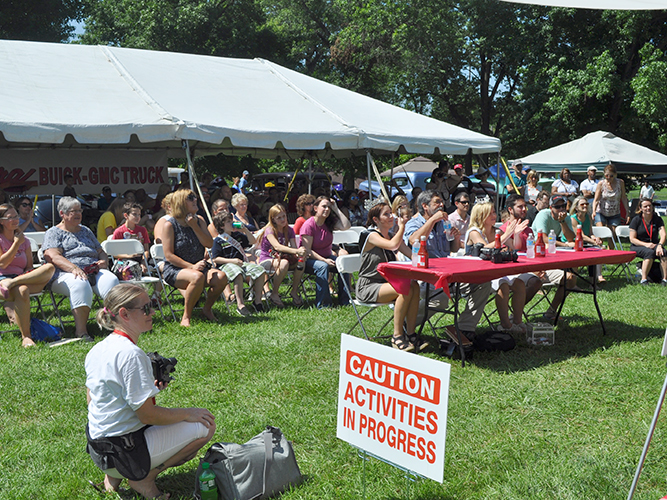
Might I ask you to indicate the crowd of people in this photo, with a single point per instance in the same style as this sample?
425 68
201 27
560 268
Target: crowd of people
251 245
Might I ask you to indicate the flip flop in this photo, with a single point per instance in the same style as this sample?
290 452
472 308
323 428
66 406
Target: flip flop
297 301
98 486
276 302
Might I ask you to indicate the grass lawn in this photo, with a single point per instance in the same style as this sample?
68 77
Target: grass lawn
561 422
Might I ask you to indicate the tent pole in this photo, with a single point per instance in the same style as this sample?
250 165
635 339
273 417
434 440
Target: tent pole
193 180
310 175
368 174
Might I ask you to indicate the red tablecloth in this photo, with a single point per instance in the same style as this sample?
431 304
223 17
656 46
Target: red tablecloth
442 272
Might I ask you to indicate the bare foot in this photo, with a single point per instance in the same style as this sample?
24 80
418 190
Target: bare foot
185 322
111 483
28 342
209 315
148 490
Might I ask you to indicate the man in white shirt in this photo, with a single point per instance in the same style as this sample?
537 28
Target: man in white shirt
647 191
459 217
589 186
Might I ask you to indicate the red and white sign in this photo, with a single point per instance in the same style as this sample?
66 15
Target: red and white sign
43 171
394 405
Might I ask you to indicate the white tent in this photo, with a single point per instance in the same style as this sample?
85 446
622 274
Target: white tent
418 164
65 98
600 4
598 148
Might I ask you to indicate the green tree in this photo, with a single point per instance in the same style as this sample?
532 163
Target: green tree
38 20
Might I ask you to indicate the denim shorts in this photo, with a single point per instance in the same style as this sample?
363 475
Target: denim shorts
614 220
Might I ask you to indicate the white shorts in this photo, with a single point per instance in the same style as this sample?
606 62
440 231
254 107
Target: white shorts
525 277
164 441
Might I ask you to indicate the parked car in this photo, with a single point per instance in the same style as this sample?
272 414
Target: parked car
260 183
660 207
404 180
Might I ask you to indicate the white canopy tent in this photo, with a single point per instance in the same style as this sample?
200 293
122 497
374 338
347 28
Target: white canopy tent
97 98
598 149
599 4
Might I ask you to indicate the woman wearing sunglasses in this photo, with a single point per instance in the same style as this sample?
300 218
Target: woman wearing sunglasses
184 240
121 390
353 210
18 279
27 220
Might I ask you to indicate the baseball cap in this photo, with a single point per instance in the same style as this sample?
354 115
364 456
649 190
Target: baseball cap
458 166
556 198
592 167
525 169
245 172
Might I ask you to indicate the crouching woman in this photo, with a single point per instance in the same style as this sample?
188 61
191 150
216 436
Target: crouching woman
122 411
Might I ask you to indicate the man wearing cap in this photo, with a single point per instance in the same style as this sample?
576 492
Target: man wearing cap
555 217
483 187
589 186
519 178
243 182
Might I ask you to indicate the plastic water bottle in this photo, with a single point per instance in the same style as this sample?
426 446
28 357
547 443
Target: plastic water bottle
530 247
448 229
207 487
552 241
415 253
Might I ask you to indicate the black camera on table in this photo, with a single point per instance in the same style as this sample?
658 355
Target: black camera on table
162 367
495 255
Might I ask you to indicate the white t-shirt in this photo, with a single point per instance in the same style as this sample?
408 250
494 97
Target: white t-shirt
589 185
120 378
646 192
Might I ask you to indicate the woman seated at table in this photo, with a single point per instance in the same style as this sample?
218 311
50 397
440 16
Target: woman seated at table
81 264
378 247
482 231
121 390
18 278
317 239
240 204
27 220
279 254
580 217
304 208
647 238
184 241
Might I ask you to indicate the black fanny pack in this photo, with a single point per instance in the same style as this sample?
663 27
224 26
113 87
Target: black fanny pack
128 453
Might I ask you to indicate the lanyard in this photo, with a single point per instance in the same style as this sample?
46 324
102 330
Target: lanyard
650 233
123 334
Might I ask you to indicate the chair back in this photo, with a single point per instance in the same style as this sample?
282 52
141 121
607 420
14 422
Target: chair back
122 247
34 247
36 236
358 229
157 252
602 232
348 264
342 237
623 231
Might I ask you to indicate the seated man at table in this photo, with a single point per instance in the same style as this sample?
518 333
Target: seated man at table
555 217
429 222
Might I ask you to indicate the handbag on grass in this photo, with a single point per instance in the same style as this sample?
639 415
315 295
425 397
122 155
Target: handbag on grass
260 468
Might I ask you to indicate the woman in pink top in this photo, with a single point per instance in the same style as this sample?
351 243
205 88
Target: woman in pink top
19 279
317 238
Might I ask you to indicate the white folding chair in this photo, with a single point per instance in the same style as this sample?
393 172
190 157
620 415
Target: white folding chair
357 229
348 264
345 237
157 255
36 236
606 233
117 248
623 234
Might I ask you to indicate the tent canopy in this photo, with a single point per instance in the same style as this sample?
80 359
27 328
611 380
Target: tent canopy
600 4
98 97
598 149
418 164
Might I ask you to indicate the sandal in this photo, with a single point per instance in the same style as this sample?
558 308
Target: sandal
276 301
98 486
417 342
297 301
402 344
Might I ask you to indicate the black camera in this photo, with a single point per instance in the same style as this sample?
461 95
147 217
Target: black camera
495 255
162 367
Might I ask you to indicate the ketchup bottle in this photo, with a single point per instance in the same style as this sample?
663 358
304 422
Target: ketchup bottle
498 243
579 240
540 250
422 255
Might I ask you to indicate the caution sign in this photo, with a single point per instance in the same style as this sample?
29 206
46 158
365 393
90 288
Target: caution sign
393 404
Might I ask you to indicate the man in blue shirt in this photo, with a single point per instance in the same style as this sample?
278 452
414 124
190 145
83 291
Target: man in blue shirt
429 223
243 182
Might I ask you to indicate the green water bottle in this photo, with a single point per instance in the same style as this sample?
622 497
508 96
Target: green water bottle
207 483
